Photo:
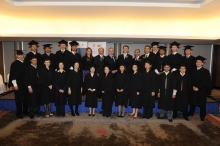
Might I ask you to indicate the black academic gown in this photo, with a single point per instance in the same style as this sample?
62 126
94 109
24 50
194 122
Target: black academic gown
32 79
127 61
17 72
112 63
202 80
91 97
138 62
99 64
151 58
166 101
60 82
76 57
182 96
75 83
121 82
29 56
46 79
190 64
107 98
149 86
87 62
65 57
135 85
159 61
175 61
52 60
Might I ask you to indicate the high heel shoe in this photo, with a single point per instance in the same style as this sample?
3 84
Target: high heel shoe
89 114
77 113
93 115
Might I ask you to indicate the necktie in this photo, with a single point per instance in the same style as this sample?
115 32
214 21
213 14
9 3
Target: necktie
113 58
182 82
166 82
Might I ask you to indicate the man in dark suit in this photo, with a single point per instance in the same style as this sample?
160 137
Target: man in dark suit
148 56
99 62
111 61
126 59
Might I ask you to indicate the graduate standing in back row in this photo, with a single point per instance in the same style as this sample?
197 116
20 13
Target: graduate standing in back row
48 55
175 59
202 85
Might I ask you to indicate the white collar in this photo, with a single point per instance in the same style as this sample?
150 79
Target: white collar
101 56
34 52
198 68
147 54
182 73
34 66
166 72
125 54
174 53
92 74
73 52
63 50
60 71
137 57
155 52
188 56
48 54
162 56
20 60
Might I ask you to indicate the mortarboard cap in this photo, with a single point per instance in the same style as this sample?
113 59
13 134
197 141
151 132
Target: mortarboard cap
174 44
47 45
19 52
63 42
155 43
74 43
162 48
188 47
200 58
33 43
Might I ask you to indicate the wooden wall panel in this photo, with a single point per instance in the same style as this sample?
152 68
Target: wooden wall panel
1 61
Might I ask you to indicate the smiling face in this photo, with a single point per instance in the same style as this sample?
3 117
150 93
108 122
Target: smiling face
147 66
47 50
92 69
122 68
34 48
188 52
106 70
134 68
166 68
125 49
34 61
162 52
74 48
101 51
182 69
20 57
62 46
155 48
111 51
137 53
147 50
174 48
76 65
199 63
47 63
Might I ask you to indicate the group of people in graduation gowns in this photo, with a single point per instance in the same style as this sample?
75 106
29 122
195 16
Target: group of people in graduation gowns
176 81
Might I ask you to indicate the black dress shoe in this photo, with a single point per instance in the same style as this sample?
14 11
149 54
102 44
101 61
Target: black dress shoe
63 115
89 114
93 115
77 113
73 114
202 119
107 116
103 115
170 120
160 117
26 113
186 118
31 116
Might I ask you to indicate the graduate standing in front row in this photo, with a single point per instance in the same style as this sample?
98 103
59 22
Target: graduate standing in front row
121 86
108 92
135 88
75 85
167 93
60 85
16 79
32 83
184 89
202 85
47 89
91 82
148 91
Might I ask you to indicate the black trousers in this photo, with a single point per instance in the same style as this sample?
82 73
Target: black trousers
148 112
76 108
32 110
202 111
60 110
21 107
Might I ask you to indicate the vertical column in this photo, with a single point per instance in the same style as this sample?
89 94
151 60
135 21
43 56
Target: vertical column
168 49
117 49
1 61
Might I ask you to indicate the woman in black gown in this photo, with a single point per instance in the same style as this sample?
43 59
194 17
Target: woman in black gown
75 84
60 84
107 92
87 60
46 78
91 86
148 92
135 87
121 84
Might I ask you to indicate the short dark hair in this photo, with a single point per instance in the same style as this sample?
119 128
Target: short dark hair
126 46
